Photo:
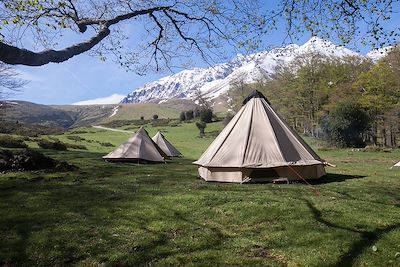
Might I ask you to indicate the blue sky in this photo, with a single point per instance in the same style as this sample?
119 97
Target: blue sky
85 77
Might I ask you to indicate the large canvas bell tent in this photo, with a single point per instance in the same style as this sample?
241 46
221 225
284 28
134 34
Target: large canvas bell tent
258 145
139 148
166 146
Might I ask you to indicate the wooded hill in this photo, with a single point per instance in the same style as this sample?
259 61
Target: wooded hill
351 101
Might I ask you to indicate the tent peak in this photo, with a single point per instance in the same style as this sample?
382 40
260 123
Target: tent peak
255 94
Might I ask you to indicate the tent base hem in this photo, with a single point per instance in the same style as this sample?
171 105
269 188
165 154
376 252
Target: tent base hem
138 161
247 175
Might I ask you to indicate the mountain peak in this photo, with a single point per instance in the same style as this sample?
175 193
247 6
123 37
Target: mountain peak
326 47
215 81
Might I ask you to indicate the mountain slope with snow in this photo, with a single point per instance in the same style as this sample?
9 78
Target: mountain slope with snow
214 81
112 99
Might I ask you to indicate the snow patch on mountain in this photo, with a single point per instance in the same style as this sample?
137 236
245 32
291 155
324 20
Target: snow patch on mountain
112 99
377 54
114 111
215 81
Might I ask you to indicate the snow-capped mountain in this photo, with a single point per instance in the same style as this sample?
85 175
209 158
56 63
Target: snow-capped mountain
214 81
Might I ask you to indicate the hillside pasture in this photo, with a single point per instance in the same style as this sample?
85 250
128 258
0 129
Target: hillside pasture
110 214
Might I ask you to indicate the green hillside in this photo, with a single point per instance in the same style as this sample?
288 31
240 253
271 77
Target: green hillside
106 214
27 112
147 110
68 116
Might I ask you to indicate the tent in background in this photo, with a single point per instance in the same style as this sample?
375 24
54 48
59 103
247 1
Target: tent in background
138 148
397 165
258 145
166 146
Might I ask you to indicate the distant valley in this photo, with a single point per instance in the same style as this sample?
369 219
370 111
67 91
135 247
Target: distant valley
68 116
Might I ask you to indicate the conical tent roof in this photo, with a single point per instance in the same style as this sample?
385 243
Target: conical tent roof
138 147
257 137
165 145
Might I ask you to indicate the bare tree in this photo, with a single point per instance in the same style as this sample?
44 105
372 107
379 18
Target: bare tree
167 31
9 81
370 22
202 99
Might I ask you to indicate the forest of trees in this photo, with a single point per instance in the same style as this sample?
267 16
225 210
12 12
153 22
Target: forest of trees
351 101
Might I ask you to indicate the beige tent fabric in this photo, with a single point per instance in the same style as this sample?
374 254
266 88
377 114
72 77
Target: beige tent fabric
139 147
257 138
397 165
165 145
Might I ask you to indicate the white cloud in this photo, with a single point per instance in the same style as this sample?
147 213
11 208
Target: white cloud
29 76
112 99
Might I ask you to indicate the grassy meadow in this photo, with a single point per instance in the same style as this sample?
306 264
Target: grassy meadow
110 214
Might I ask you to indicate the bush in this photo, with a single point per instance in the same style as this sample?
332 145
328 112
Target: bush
32 130
30 160
106 144
9 141
189 115
57 145
377 149
160 122
206 115
155 117
347 125
75 146
201 125
196 112
79 132
182 116
75 138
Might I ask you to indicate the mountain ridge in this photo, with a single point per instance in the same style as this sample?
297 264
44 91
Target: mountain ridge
214 81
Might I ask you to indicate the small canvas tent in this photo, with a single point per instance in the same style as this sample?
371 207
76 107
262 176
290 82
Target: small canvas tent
258 145
138 148
397 165
166 146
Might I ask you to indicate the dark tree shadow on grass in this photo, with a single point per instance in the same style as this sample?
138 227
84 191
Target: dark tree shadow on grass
335 178
86 204
152 251
368 238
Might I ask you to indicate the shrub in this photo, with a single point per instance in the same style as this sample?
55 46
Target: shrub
155 117
75 138
57 145
189 115
201 125
32 130
106 144
347 125
196 112
9 141
182 116
206 115
79 132
160 122
141 118
75 146
30 160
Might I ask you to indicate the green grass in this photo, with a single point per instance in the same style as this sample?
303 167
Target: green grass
161 215
147 110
